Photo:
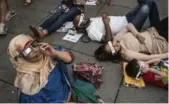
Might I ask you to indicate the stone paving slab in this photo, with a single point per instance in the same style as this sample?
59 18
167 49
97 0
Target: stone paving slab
4 41
45 5
163 6
87 48
112 90
112 76
19 24
56 38
7 95
17 3
126 3
91 11
114 10
7 72
149 94
39 5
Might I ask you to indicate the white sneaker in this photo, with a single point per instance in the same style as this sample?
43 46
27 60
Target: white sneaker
3 29
10 14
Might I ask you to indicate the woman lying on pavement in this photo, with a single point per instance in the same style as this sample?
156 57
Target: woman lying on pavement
130 44
66 12
99 30
41 79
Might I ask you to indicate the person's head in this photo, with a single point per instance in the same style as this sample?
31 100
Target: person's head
24 47
28 60
109 51
136 68
81 22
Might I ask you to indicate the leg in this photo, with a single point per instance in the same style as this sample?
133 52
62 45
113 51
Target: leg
162 28
132 13
138 15
10 13
3 11
140 18
52 25
69 16
145 8
51 19
153 15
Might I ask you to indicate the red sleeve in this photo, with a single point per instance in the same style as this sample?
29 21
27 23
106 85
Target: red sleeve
150 79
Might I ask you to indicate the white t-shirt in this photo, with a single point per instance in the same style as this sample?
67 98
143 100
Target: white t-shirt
96 29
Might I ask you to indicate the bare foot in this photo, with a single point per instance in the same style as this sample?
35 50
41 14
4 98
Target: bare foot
28 2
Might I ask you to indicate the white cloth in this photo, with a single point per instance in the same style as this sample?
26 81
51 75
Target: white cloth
96 29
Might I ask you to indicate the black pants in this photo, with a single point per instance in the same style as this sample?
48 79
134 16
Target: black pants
162 27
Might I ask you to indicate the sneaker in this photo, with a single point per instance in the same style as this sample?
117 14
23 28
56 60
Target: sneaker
10 14
3 29
99 99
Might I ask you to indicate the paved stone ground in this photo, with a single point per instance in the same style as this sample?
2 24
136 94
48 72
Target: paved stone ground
112 90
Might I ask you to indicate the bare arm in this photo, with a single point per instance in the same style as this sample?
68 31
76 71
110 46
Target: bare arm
108 36
132 29
63 55
122 32
50 51
153 61
129 55
158 75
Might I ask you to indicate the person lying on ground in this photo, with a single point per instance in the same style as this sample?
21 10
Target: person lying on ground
152 71
104 28
5 15
66 12
129 44
42 79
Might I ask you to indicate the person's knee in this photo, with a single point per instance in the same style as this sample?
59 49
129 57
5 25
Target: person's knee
145 9
62 19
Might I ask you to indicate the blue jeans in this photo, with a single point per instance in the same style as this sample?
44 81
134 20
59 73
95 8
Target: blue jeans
59 18
145 9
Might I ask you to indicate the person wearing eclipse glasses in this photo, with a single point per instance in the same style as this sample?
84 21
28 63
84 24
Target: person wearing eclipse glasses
38 77
42 75
66 12
154 71
130 44
104 28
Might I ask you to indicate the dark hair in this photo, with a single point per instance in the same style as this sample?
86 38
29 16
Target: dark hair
132 68
102 55
82 30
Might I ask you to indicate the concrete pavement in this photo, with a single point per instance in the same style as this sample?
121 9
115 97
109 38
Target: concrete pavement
112 90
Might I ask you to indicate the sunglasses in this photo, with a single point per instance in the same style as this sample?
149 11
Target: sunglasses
139 72
27 49
111 47
81 19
